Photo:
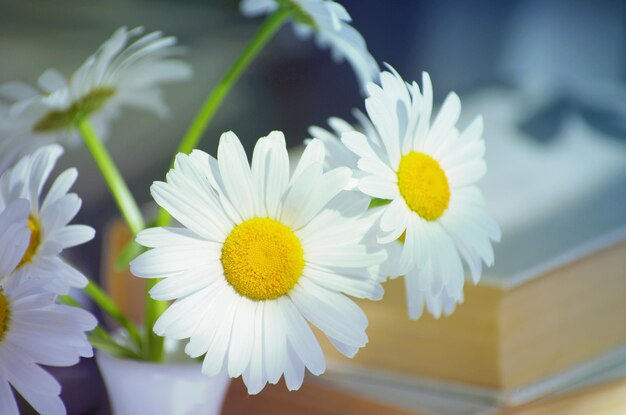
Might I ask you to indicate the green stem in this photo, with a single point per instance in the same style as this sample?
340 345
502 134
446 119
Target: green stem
221 90
213 101
107 305
154 350
124 199
101 340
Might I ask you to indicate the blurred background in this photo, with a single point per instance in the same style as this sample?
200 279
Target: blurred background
549 76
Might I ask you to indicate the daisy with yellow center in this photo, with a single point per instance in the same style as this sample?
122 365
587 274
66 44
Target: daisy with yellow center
34 330
48 222
263 254
423 176
126 71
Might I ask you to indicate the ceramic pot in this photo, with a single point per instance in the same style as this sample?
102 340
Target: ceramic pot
136 387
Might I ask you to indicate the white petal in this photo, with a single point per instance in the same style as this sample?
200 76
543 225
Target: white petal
302 339
414 294
189 211
358 144
336 315
294 370
254 376
216 353
14 235
274 340
72 235
356 285
444 121
217 298
423 125
235 171
242 337
165 236
313 154
276 174
60 187
379 187
8 405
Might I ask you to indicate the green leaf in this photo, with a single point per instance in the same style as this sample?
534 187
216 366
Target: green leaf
131 251
378 202
111 347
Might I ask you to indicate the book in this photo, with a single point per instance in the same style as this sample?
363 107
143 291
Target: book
599 394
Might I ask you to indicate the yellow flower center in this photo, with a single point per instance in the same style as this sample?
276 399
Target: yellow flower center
4 314
423 185
82 107
262 259
33 244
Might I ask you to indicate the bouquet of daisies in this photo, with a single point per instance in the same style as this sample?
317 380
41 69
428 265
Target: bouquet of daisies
264 249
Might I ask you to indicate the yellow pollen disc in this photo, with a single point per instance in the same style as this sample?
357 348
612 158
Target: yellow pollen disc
4 314
35 240
262 259
423 185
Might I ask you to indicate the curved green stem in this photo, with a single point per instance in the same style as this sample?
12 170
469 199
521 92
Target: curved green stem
154 350
99 338
217 95
221 90
124 199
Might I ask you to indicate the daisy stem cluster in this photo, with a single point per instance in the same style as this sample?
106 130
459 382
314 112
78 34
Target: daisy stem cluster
218 94
99 337
106 304
153 345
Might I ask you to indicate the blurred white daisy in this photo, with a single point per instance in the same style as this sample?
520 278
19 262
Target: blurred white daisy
428 172
33 329
328 22
127 71
261 253
48 221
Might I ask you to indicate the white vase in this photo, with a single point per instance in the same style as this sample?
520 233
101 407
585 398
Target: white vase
136 387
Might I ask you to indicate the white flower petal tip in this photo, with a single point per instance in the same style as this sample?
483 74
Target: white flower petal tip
47 227
263 255
128 70
328 22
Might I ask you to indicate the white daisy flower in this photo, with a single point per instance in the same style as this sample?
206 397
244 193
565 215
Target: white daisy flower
33 329
428 172
328 22
48 222
124 72
262 253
